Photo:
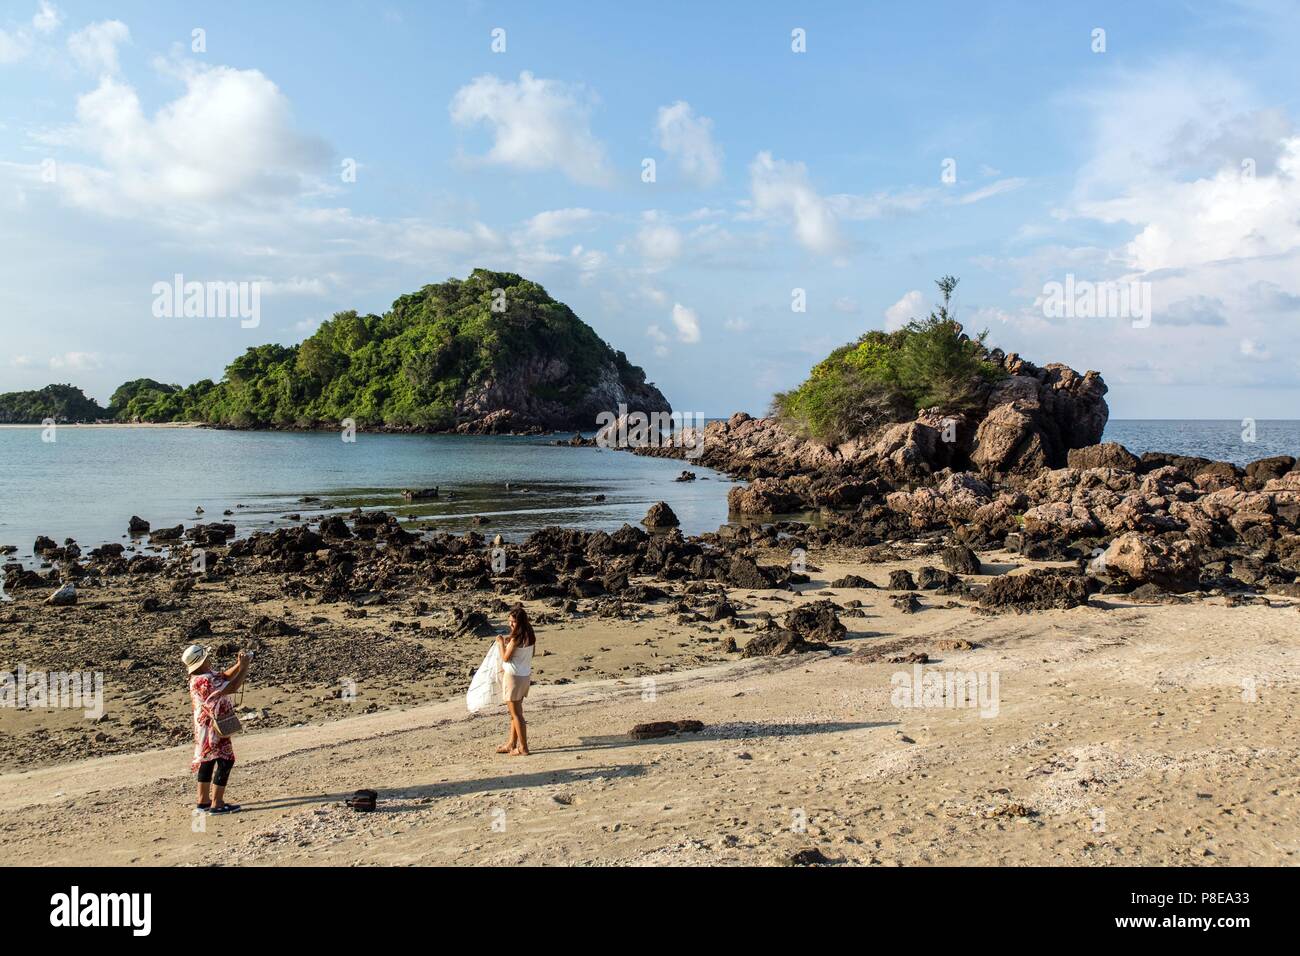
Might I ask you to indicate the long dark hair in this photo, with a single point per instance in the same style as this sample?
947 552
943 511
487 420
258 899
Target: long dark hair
521 628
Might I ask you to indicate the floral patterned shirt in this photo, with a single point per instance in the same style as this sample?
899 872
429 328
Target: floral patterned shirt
205 690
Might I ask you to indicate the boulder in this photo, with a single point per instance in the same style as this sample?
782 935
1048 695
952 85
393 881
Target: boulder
901 580
1145 559
960 559
660 516
66 596
852 581
815 622
1109 454
777 642
1037 590
764 496
137 525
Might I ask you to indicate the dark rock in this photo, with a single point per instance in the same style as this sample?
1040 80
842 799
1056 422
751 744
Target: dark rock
660 516
665 728
901 580
137 526
815 622
851 581
1106 455
933 579
960 559
779 641
1037 590
907 602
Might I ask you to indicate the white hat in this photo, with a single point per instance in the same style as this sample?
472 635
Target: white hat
193 657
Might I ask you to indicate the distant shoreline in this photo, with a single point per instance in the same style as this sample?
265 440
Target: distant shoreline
109 425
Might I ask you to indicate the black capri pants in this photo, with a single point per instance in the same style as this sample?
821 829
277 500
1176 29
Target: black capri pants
215 771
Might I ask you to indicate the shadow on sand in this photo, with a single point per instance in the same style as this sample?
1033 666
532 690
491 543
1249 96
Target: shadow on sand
733 731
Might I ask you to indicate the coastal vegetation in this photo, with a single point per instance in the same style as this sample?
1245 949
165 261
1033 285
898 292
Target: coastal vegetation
887 377
449 353
63 403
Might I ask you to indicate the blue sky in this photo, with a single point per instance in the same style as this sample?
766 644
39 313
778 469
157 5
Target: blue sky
1171 158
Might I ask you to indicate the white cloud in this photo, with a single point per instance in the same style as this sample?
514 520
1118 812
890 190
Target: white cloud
687 323
992 189
657 335
904 310
21 361
1184 155
76 361
556 223
846 304
47 17
688 138
1253 350
736 325
658 243
781 189
537 124
229 136
95 47
14 46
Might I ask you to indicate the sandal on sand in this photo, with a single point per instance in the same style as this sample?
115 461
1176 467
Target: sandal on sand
225 808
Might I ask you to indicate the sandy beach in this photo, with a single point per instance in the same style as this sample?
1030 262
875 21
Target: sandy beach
1124 733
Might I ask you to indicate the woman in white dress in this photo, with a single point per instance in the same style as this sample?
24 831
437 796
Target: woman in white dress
516 674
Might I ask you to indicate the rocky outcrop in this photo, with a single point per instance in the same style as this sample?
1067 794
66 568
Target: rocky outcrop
526 398
660 515
1030 420
1142 559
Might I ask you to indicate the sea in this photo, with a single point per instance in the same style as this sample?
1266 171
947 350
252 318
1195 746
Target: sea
88 482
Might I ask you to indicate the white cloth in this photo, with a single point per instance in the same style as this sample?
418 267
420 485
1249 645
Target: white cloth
485 688
520 663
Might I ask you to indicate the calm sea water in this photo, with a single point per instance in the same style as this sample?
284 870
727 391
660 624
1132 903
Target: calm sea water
1220 440
89 482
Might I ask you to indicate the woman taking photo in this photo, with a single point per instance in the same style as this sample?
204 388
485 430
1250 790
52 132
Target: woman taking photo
214 755
516 674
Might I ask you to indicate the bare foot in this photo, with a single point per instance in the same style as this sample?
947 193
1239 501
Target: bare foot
519 753
505 749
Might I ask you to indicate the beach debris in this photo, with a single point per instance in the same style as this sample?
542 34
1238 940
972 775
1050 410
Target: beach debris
955 644
660 516
665 728
65 596
419 494
916 657
810 857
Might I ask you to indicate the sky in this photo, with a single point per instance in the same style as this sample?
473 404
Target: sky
725 192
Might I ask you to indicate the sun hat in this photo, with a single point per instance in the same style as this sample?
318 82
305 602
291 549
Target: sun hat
193 657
